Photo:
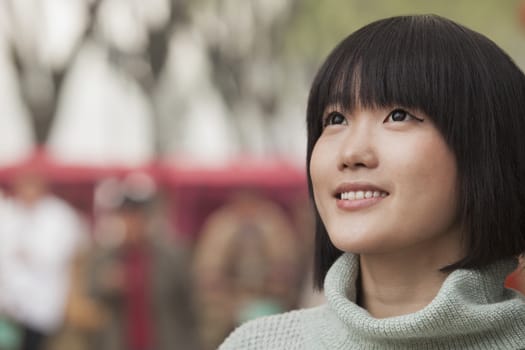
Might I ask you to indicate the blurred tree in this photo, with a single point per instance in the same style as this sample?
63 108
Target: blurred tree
256 57
244 42
40 81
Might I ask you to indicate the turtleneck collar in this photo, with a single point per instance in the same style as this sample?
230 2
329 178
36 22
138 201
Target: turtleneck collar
471 310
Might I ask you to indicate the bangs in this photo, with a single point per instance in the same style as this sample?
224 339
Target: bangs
395 63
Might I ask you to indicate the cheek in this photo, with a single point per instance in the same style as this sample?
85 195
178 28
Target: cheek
319 163
315 165
424 161
444 180
430 183
439 170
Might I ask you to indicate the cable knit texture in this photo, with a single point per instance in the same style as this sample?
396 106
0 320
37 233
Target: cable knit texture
472 310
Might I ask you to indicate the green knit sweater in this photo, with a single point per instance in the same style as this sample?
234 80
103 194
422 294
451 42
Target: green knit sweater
472 310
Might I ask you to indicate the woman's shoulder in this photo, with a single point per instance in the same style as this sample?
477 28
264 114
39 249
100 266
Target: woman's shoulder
281 331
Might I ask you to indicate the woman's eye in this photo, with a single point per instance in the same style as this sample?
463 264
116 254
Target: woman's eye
400 115
334 118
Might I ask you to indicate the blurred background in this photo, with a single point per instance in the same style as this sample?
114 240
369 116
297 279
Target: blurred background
152 161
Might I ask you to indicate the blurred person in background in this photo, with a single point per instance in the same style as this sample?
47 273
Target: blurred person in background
84 316
10 337
246 265
139 276
41 234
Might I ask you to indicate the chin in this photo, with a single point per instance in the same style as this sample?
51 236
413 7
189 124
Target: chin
371 241
358 245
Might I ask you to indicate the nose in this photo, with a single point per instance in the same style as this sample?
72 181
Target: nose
358 149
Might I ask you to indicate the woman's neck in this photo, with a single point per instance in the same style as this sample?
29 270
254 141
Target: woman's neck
387 294
402 283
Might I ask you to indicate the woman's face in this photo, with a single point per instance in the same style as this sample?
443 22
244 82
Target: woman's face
384 180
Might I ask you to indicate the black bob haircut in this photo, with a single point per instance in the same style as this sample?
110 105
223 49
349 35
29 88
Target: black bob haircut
474 93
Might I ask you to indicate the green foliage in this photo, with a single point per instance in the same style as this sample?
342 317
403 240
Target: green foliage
319 25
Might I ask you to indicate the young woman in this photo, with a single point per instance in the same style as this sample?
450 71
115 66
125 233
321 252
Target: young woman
416 165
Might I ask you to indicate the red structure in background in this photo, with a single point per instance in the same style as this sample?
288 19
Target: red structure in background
191 193
195 193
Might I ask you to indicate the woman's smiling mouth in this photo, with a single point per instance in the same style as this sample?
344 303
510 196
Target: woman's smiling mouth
357 195
354 196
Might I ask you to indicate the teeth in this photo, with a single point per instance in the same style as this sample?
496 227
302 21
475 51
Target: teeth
353 195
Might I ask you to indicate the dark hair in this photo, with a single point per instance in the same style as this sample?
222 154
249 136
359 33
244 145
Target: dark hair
475 95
